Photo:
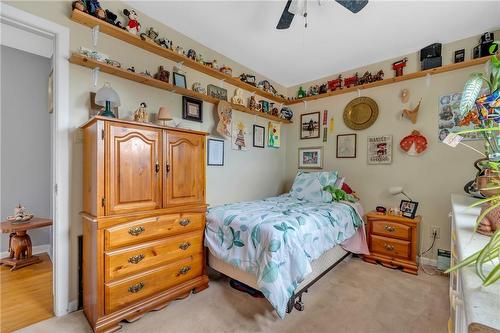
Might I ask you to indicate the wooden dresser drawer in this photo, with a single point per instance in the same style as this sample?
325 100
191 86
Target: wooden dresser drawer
391 229
390 247
151 228
121 293
127 261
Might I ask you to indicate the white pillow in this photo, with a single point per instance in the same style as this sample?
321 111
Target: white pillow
309 185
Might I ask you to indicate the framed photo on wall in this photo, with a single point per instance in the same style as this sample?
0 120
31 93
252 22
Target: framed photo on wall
215 152
259 136
179 80
346 145
217 92
192 109
380 149
310 125
311 158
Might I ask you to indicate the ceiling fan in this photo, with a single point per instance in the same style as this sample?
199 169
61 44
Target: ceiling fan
299 7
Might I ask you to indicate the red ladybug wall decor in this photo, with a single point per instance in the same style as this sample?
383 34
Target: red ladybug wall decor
414 144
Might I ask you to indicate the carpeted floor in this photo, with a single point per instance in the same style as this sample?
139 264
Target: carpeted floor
354 297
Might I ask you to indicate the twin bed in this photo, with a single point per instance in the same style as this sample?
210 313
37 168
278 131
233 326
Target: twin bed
282 245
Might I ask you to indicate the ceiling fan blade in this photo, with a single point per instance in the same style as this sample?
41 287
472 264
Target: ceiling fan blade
286 17
353 5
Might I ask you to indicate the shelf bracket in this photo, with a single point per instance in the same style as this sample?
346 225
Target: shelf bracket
95 35
359 92
305 105
428 80
222 83
95 76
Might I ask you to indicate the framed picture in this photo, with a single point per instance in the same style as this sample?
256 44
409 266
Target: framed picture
179 80
380 149
217 92
215 152
96 109
408 208
192 109
264 106
259 134
274 135
346 145
459 56
309 125
311 158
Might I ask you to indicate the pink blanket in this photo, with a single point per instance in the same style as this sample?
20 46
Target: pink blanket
357 243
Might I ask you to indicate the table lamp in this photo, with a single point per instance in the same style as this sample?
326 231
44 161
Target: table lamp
164 115
107 97
395 190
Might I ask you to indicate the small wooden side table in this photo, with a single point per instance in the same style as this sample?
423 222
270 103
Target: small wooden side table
20 247
393 241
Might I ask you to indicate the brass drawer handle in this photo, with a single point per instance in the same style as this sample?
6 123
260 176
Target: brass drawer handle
184 246
136 231
136 287
184 222
388 247
136 259
184 270
389 228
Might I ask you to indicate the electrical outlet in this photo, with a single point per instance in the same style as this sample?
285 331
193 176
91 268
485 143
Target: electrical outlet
435 230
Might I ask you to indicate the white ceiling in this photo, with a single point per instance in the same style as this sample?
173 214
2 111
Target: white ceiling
336 40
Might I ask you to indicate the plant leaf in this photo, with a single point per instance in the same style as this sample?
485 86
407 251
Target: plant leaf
471 93
256 235
274 245
239 243
229 219
270 273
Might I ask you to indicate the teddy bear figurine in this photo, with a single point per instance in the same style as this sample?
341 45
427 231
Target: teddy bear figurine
133 26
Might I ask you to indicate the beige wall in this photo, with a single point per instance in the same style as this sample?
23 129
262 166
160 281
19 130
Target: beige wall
429 178
248 175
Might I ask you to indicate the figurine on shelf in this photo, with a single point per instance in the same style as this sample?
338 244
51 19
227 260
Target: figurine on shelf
335 84
199 58
146 73
178 69
274 110
264 85
286 113
301 93
112 18
253 105
162 74
133 26
313 90
379 76
226 70
141 114
179 50
247 78
131 69
264 106
215 65
94 8
208 64
113 63
366 78
164 43
20 215
323 89
79 5
150 34
353 80
238 97
191 54
398 66
197 87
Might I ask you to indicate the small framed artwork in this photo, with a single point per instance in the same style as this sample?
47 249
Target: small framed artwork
192 109
408 208
264 106
259 135
380 149
311 158
310 125
96 109
180 80
459 56
215 152
217 92
346 145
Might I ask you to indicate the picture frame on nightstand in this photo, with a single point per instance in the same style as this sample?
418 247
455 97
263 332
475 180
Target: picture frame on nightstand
408 208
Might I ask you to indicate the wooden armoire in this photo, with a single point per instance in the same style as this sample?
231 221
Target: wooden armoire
143 218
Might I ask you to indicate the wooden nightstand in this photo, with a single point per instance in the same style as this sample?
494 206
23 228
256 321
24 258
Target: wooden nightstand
393 241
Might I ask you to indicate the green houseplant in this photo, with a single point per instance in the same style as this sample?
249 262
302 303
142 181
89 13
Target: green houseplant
484 111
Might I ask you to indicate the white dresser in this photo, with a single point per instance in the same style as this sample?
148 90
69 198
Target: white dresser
472 307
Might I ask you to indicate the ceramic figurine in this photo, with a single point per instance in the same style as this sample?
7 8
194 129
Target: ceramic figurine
113 63
398 67
353 80
179 49
208 64
131 69
191 54
379 76
301 93
286 113
335 84
20 214
146 73
164 42
162 74
197 87
323 88
366 78
112 18
274 110
79 5
238 97
247 78
253 105
313 90
150 34
94 54
133 26
215 65
94 9
199 58
141 114
226 70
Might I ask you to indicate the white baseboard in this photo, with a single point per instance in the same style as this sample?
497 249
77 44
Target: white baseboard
36 250
427 261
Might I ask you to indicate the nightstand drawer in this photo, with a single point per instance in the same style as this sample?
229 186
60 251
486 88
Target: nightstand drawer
391 229
390 247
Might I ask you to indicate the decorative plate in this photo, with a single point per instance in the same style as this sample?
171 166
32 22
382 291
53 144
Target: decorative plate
360 113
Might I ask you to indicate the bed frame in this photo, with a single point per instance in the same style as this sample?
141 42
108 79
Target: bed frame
320 267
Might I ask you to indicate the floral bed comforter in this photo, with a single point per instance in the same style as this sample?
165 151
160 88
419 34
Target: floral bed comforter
277 238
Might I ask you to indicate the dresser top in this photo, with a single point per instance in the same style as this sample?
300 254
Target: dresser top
482 305
393 218
123 121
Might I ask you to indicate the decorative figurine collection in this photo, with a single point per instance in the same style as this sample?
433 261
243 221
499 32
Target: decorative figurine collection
162 74
226 70
247 78
197 87
238 97
398 67
133 26
141 114
335 84
20 215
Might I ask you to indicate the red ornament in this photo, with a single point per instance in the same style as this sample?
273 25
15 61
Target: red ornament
414 144
399 65
353 80
335 84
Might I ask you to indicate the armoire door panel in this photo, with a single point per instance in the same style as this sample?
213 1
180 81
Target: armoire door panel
134 169
185 170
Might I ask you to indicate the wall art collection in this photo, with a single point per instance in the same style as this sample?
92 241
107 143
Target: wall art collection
380 149
449 118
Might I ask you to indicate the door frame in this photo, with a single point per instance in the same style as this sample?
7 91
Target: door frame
61 148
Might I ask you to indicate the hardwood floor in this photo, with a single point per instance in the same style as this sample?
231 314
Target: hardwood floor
26 295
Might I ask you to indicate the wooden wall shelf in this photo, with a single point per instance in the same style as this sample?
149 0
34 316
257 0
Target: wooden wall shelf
433 71
82 60
123 35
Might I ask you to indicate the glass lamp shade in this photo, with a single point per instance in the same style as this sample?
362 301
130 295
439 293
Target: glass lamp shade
164 114
108 97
